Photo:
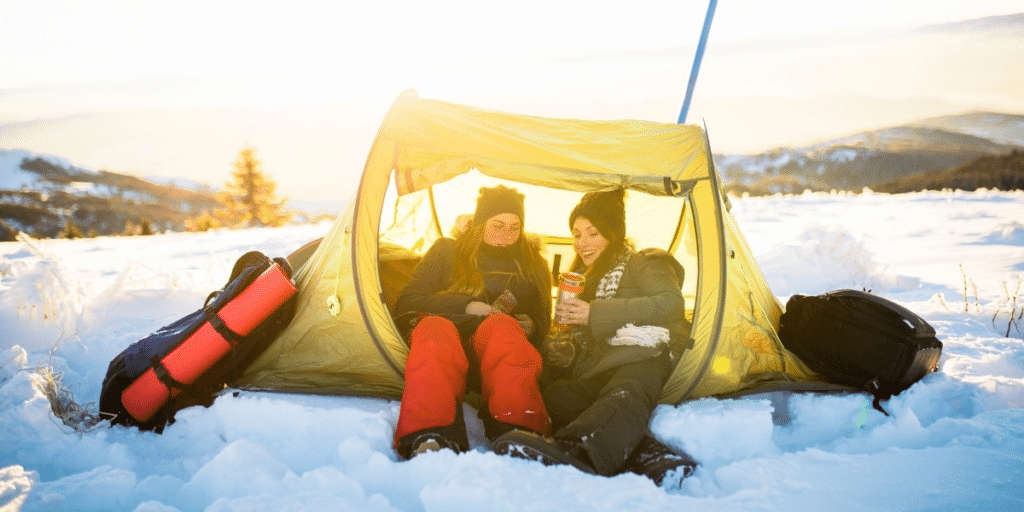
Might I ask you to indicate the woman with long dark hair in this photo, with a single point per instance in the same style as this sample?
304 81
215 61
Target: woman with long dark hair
626 330
479 306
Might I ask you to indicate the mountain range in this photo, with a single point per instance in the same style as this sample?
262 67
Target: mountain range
1009 24
872 158
46 196
43 195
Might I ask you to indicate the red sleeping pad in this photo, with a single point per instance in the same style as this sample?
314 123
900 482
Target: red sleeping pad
194 356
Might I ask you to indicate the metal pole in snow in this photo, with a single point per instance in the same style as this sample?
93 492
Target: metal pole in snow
697 58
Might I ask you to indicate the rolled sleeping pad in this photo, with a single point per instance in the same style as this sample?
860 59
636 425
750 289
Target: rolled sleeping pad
216 338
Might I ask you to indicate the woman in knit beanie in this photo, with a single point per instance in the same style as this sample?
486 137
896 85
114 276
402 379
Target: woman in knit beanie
606 212
479 307
610 365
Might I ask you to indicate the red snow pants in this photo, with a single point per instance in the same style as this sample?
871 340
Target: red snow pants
435 375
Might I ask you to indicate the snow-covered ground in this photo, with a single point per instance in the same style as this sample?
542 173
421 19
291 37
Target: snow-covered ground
954 441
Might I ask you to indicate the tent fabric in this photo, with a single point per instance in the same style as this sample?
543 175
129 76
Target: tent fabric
424 169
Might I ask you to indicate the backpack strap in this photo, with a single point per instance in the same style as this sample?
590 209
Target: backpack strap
921 328
165 376
874 387
287 267
250 260
232 337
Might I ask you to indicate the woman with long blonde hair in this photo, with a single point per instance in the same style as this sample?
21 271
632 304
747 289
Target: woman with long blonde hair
478 307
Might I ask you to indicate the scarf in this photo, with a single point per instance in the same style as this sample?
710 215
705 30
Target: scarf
606 288
609 282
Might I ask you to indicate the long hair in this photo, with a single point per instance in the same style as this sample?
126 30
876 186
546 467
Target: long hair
466 275
601 265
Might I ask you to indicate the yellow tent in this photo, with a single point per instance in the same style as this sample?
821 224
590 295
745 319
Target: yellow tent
424 170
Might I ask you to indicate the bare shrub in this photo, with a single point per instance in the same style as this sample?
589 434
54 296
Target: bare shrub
80 418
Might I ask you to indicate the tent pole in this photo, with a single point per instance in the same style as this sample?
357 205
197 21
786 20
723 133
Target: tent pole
697 58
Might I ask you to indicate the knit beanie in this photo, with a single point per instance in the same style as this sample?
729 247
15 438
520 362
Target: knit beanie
497 200
605 210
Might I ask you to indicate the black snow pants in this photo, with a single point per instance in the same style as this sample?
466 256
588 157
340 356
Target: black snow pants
607 414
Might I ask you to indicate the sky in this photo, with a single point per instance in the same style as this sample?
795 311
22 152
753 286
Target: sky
953 441
178 89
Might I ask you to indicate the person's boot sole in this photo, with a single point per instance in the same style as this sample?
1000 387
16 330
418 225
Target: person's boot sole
527 445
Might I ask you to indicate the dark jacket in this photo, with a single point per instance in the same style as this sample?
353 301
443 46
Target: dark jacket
605 404
649 293
426 291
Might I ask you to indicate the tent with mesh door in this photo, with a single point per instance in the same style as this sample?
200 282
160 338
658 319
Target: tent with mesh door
425 168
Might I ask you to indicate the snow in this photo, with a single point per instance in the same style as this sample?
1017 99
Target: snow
841 156
954 441
12 177
11 172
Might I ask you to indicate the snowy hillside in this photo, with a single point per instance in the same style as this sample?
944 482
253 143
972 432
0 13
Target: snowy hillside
43 195
867 159
13 177
1007 25
1000 128
954 441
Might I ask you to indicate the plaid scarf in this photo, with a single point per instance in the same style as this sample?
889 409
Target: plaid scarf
609 282
606 289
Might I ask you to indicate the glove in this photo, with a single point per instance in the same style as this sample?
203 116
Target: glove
526 323
560 349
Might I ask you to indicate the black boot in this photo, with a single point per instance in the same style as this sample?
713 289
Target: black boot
452 437
529 445
665 466
431 442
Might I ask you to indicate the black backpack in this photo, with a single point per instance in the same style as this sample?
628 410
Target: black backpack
146 358
861 340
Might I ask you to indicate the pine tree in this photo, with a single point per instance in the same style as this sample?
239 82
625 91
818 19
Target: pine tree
203 222
146 227
70 230
248 200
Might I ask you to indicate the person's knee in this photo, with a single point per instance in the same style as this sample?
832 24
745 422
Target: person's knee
435 325
436 331
564 402
500 321
641 381
499 337
436 338
628 394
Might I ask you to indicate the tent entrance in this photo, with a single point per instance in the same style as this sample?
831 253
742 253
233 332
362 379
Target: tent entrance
411 223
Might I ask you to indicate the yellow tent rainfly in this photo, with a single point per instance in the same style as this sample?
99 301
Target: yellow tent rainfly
424 170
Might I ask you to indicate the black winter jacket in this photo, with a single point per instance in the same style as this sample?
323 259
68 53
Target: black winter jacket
426 291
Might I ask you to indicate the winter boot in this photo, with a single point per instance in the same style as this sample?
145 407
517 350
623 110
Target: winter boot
665 466
431 442
529 445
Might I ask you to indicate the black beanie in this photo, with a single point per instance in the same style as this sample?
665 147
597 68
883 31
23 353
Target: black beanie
498 200
605 210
